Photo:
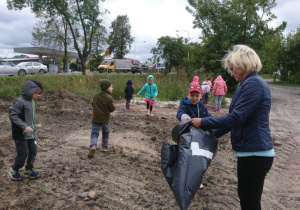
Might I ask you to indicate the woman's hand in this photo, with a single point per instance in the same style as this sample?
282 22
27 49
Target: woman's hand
196 122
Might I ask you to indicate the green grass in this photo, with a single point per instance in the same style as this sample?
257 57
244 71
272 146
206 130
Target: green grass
287 84
267 76
170 88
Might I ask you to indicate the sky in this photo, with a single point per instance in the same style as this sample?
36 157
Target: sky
149 20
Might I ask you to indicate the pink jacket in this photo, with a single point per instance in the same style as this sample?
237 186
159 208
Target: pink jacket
220 87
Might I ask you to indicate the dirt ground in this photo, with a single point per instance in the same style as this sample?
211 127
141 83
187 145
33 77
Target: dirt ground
128 176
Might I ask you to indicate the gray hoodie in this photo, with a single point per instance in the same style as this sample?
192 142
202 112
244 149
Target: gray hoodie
22 112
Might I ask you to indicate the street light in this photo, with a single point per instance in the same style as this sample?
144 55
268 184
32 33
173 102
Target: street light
188 39
134 50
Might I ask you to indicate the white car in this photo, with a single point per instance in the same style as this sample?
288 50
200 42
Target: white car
32 68
8 68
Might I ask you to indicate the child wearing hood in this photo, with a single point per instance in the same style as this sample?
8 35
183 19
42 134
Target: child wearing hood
190 106
219 90
128 93
150 95
22 116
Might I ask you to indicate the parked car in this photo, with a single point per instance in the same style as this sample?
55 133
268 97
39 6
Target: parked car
8 68
32 68
145 68
136 68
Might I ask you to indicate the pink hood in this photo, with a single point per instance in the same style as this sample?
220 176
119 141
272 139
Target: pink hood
220 87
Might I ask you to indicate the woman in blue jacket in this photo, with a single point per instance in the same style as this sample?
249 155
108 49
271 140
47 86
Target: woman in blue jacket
248 121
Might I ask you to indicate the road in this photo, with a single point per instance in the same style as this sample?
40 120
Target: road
282 187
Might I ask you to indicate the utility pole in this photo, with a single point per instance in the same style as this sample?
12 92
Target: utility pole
188 39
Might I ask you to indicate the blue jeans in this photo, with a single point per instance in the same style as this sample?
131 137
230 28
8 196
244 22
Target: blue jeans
95 134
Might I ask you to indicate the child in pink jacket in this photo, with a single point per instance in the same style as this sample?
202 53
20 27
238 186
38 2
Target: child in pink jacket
219 90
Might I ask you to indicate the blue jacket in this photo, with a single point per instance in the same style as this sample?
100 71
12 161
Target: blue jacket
151 90
194 111
128 90
248 118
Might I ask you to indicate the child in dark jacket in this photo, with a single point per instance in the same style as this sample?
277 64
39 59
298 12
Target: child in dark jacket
128 93
22 116
102 107
190 106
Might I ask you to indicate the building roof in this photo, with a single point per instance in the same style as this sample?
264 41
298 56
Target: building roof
53 53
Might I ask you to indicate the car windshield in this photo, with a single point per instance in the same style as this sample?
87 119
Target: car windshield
105 62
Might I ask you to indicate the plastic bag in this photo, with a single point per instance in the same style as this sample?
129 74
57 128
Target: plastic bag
184 165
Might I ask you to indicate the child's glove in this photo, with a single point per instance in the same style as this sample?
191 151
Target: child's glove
28 130
185 117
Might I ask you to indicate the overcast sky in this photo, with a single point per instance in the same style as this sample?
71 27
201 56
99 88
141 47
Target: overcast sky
149 20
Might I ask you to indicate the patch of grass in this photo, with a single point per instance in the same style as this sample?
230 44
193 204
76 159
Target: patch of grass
267 76
170 87
290 84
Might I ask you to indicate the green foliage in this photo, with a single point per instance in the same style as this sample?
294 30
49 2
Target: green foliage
229 22
120 39
171 49
98 44
73 66
290 69
82 18
266 76
270 54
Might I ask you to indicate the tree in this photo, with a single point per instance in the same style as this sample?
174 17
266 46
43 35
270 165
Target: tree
270 54
229 22
82 17
120 39
98 44
290 70
52 33
171 49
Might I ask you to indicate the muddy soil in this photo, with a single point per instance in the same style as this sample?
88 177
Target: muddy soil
128 176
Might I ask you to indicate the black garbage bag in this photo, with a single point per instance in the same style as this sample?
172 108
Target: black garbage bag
184 165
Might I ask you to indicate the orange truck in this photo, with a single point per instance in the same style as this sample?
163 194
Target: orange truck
115 65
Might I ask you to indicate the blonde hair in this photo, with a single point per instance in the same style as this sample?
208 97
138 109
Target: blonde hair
244 57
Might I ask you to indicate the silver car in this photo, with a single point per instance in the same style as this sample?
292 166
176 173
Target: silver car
32 68
8 68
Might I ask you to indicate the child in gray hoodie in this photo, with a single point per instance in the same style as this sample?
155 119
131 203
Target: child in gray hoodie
22 116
